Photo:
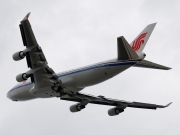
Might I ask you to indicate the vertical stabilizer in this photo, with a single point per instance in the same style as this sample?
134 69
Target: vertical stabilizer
140 41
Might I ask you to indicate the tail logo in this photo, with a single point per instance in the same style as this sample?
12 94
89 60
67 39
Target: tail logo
138 42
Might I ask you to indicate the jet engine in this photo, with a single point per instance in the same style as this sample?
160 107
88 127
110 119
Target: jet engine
77 107
22 77
18 55
115 111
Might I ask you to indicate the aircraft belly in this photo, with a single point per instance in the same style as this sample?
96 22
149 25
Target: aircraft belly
44 92
98 75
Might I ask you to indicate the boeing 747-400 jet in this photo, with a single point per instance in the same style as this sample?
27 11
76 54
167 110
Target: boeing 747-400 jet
42 82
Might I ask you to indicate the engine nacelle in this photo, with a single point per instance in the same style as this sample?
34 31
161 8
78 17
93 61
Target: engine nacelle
115 111
77 107
22 77
18 55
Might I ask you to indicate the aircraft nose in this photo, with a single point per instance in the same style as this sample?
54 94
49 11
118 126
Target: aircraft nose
10 95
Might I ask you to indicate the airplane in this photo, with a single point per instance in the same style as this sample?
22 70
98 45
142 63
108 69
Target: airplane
42 82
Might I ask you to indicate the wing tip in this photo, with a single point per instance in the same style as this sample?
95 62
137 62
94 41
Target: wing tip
165 105
168 104
27 16
165 68
168 68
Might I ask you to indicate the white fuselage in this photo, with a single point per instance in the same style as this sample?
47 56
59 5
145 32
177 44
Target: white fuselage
73 80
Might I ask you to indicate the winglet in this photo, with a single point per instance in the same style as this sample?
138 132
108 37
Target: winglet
165 105
27 16
168 104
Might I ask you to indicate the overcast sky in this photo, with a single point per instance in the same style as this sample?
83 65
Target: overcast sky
82 32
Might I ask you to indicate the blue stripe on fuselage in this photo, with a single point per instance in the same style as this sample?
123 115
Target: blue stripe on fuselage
108 64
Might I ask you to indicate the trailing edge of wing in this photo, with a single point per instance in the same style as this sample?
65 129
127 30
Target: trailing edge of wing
148 64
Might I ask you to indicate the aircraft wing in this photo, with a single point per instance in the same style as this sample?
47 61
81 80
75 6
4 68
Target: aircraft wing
84 99
40 73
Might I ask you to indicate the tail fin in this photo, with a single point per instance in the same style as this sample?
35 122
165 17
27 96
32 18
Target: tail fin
140 41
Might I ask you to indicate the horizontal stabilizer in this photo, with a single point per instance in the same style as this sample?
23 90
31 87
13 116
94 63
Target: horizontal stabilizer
125 52
148 64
